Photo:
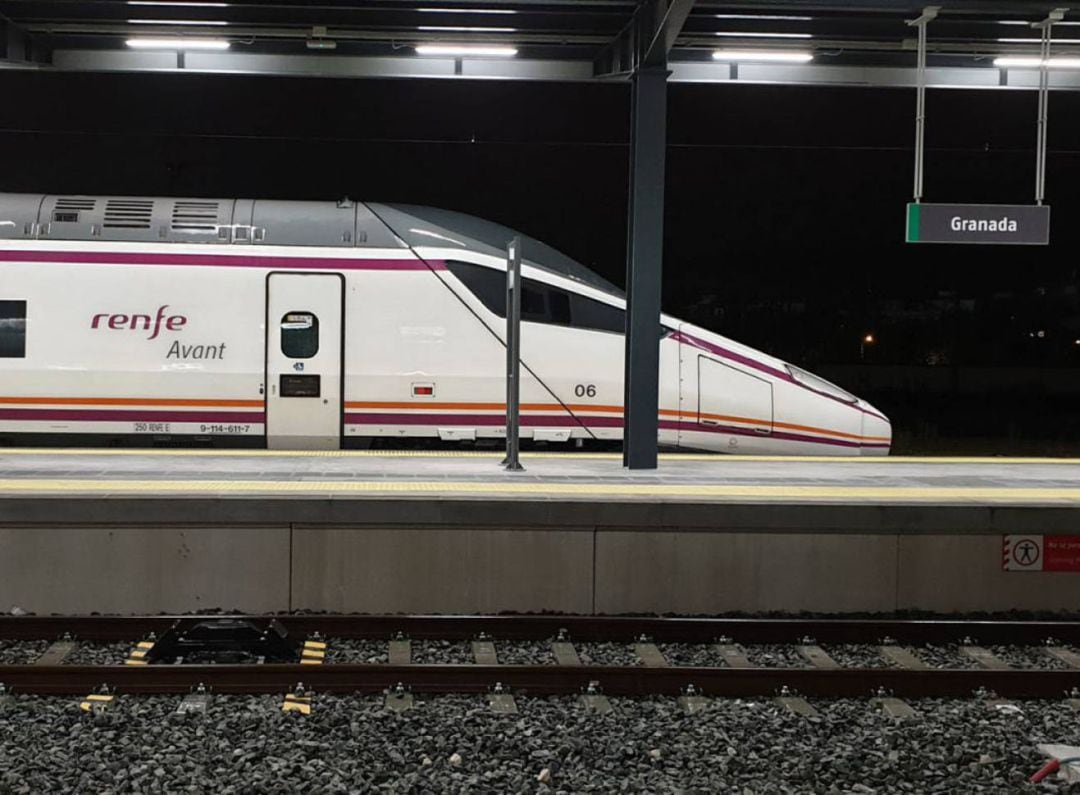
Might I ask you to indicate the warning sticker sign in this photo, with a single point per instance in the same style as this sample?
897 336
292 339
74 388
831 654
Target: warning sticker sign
1040 553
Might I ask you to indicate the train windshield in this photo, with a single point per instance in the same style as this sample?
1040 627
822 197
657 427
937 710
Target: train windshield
429 226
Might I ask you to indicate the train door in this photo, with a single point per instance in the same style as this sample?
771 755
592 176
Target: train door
730 397
304 360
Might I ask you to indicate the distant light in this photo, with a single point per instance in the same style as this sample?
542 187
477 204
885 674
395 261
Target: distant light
178 44
781 17
463 29
466 50
1041 334
1034 63
1076 342
782 56
321 44
467 10
754 35
869 339
176 22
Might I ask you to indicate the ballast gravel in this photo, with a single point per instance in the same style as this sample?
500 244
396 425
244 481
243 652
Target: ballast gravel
442 652
457 744
857 655
774 656
607 654
87 653
524 652
14 652
357 651
1028 657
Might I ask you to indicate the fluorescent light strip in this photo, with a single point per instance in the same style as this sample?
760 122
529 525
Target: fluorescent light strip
467 10
1020 22
775 56
748 35
1037 41
772 17
465 50
176 22
463 29
178 44
1022 62
177 4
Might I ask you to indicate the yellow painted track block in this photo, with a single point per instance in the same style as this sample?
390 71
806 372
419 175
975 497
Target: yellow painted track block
131 661
314 644
137 654
95 700
145 645
301 704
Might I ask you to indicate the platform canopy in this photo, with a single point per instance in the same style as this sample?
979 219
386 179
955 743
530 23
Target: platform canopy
837 42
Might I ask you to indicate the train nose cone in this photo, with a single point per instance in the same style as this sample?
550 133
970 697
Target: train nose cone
877 431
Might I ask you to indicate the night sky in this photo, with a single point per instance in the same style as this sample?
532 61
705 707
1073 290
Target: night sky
785 209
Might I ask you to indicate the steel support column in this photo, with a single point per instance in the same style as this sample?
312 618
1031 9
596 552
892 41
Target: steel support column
644 257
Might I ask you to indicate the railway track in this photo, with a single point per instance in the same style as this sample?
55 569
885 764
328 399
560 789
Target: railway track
810 657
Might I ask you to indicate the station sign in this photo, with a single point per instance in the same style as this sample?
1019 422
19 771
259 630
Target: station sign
995 224
1040 553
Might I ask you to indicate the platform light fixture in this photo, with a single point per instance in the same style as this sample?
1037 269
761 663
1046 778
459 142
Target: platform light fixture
467 50
772 56
781 17
739 34
207 22
177 44
467 10
463 29
180 3
1030 62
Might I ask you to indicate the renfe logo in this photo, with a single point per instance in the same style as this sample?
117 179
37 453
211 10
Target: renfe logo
136 322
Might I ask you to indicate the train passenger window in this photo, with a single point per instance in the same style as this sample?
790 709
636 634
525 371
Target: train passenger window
558 306
819 384
12 329
596 315
540 303
485 283
299 335
534 306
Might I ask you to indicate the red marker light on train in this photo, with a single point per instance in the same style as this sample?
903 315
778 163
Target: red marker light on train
423 391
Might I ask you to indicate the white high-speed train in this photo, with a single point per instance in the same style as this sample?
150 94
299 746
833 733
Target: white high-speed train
319 325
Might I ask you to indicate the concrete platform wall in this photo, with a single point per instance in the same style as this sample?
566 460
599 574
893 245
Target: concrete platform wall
583 568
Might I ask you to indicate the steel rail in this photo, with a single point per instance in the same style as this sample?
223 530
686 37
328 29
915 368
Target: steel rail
539 680
578 628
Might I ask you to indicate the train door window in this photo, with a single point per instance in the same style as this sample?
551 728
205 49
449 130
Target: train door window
12 329
299 335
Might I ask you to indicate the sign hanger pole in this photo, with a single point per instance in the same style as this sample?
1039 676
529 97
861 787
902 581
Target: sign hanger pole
929 13
1046 26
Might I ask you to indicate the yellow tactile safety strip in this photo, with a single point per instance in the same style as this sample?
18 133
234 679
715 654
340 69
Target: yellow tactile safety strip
715 458
558 489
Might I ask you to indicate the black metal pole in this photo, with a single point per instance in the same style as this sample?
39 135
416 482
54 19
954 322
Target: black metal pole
513 355
644 259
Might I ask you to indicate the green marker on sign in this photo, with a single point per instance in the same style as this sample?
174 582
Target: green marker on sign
913 217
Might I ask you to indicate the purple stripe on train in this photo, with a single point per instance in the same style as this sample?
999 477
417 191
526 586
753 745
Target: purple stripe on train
220 260
124 415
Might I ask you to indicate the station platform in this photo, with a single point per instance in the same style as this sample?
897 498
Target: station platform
147 530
